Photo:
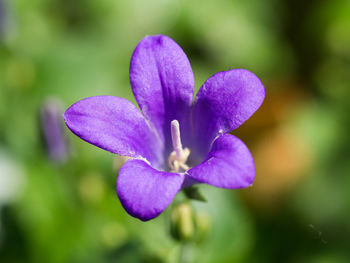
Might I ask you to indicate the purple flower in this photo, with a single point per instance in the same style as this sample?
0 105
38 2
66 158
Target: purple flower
162 81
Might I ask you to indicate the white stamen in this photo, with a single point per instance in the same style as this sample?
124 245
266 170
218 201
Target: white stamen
175 136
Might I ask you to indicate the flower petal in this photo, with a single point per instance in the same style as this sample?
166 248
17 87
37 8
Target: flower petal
162 81
114 124
229 164
145 192
224 102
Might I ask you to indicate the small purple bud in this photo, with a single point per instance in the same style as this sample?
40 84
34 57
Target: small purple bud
2 18
6 19
53 130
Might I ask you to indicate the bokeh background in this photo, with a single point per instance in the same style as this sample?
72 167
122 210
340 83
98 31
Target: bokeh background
61 206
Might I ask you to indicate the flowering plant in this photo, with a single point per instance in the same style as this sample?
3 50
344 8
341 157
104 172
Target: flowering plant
162 81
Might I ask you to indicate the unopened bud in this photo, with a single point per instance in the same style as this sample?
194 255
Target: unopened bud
53 130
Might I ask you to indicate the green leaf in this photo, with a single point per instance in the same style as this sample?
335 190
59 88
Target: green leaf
193 192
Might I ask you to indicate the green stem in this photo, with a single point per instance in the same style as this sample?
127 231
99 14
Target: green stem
184 252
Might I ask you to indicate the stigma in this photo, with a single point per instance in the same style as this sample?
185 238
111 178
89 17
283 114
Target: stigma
178 158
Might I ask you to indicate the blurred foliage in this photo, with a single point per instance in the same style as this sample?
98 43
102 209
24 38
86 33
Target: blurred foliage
298 207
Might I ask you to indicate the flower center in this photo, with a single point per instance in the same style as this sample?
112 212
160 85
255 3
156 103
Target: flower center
178 158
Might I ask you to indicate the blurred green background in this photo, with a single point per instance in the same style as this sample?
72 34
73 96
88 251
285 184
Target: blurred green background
298 209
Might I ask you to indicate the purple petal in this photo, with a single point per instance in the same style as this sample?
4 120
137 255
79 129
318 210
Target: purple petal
229 164
145 192
223 103
114 124
162 81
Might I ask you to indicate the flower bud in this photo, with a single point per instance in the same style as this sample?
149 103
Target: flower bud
5 19
53 130
182 222
2 17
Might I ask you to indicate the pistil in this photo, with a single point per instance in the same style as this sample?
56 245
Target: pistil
175 136
179 156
